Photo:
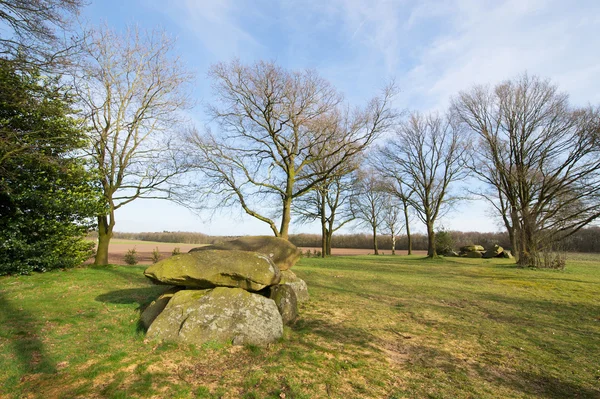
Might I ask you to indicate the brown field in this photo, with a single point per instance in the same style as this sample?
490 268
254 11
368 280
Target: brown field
118 248
144 249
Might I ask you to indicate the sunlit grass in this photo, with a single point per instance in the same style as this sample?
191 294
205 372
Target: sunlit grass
376 327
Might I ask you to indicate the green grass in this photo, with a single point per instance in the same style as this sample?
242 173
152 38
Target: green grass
376 327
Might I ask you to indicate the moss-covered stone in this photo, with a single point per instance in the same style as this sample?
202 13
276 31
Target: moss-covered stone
285 299
493 252
221 315
472 248
216 268
156 307
299 286
282 252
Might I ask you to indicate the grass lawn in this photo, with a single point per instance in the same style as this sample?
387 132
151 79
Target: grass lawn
376 327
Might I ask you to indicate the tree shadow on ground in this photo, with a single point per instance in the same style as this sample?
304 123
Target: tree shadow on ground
23 334
529 383
334 332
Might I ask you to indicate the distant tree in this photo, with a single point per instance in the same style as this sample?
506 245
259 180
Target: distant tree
539 156
47 198
428 154
329 203
392 220
369 201
274 125
34 31
391 172
132 91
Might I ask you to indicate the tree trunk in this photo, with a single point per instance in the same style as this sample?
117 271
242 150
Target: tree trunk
323 226
330 233
375 248
105 233
393 243
528 250
513 233
323 239
431 251
286 218
408 237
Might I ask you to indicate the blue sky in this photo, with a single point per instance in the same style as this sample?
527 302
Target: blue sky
432 48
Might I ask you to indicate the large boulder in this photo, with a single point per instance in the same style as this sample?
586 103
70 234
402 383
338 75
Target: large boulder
156 307
472 248
507 255
216 268
493 252
285 299
474 254
299 286
221 315
282 252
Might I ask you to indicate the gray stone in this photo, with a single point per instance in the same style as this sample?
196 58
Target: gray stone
220 315
285 299
474 254
282 252
507 254
299 286
156 307
216 268
494 252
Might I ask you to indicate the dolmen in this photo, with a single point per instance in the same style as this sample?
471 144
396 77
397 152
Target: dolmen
239 291
478 251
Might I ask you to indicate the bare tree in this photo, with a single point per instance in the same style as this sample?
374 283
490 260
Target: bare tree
131 92
369 201
383 161
392 220
429 155
329 203
36 30
539 156
273 125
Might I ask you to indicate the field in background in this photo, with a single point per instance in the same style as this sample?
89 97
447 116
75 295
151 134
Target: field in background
375 327
118 249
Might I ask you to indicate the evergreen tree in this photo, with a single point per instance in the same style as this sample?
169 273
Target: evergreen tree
46 195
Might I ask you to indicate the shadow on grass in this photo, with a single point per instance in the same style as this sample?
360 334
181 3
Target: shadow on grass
336 332
529 383
23 332
142 296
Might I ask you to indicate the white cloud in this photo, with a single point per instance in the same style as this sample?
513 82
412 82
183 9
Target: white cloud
215 24
487 43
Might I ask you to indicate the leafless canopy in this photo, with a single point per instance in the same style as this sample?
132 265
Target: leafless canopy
36 28
427 155
132 91
539 156
369 200
273 125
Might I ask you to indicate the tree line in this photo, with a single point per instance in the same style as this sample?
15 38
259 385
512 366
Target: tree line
95 122
585 240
